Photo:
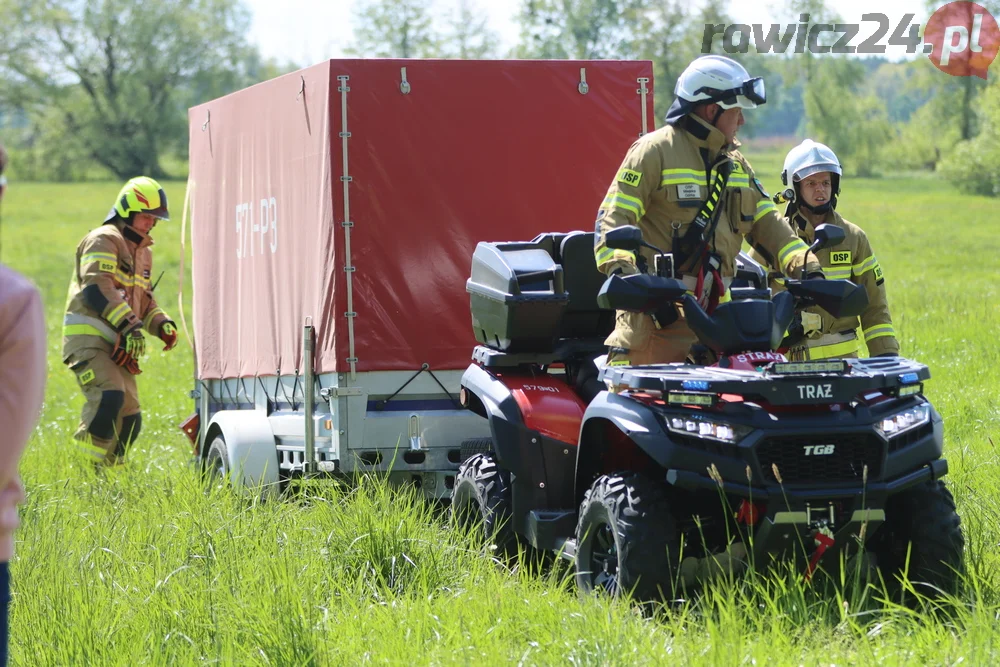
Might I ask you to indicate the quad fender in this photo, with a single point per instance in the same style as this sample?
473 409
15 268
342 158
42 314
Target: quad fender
534 449
617 434
253 456
488 396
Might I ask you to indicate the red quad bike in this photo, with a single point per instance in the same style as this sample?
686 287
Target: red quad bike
685 470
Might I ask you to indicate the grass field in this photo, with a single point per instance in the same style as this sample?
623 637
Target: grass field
143 566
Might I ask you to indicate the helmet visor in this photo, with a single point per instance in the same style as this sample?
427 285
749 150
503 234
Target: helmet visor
160 212
806 172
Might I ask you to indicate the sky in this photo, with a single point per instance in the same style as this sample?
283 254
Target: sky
309 31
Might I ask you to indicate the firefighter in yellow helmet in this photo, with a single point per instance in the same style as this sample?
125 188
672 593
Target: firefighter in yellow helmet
812 174
693 195
110 302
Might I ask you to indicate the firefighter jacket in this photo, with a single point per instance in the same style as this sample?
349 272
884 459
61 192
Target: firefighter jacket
110 290
663 183
851 260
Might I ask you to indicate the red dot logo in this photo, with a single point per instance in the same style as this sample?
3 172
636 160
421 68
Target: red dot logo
962 39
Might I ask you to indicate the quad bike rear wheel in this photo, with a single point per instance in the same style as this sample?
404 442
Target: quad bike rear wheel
481 497
627 539
921 523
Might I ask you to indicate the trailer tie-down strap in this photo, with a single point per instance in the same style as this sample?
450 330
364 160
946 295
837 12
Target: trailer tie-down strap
380 405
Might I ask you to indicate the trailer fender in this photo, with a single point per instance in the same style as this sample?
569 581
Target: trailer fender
253 456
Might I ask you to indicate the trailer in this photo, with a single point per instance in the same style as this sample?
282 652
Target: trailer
334 214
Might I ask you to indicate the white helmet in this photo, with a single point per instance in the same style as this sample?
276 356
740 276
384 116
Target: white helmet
808 158
720 80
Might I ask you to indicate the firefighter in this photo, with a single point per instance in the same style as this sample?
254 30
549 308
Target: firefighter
693 195
812 173
110 302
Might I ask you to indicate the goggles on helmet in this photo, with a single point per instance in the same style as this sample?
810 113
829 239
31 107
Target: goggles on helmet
752 91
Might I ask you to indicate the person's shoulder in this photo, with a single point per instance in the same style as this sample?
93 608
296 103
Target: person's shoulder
664 137
853 231
103 235
737 156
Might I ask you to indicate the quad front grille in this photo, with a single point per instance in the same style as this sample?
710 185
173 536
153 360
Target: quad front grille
810 459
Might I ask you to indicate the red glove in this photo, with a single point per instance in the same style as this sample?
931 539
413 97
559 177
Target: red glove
120 355
168 334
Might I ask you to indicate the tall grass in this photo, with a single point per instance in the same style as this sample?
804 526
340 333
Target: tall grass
145 565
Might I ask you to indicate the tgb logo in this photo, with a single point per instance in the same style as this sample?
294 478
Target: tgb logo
815 390
819 450
962 39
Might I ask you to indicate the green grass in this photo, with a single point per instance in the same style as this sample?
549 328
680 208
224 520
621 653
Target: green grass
142 566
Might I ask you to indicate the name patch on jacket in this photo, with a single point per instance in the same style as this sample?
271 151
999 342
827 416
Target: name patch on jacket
629 177
840 257
108 267
689 191
878 274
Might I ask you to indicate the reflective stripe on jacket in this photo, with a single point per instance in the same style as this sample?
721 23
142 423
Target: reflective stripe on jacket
852 260
110 289
662 184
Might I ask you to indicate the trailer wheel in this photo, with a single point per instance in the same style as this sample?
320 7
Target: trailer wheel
217 461
921 523
627 539
481 499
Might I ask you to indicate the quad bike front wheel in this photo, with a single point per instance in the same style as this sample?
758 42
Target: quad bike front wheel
481 499
921 537
627 539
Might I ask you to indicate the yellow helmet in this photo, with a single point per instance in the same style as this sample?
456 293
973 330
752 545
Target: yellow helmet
140 195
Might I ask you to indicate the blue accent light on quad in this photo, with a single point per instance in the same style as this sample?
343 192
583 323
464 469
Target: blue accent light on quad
908 378
694 385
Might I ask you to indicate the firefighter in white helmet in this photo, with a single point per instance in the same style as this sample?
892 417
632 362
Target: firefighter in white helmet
812 174
692 193
110 303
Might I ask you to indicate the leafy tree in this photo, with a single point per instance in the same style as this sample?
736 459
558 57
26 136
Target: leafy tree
667 32
395 29
974 165
470 35
112 79
851 122
671 37
579 29
405 29
923 141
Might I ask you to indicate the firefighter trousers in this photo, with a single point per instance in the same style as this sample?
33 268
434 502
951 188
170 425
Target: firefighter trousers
111 416
662 346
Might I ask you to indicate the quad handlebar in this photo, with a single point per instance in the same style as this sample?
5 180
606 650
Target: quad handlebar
753 320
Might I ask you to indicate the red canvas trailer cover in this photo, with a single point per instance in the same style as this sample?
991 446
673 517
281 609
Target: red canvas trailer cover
354 192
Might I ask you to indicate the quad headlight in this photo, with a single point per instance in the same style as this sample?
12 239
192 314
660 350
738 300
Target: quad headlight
904 421
706 428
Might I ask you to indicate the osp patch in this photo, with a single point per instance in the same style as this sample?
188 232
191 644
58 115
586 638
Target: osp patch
629 177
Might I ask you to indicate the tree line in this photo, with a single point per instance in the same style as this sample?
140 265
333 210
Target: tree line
102 87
